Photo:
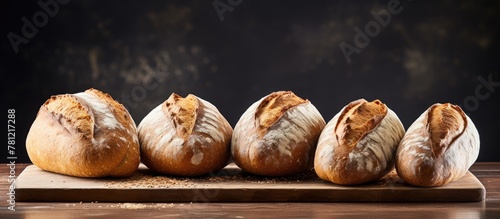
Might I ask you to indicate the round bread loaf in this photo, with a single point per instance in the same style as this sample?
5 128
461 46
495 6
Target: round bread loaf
359 144
185 137
277 135
438 148
86 134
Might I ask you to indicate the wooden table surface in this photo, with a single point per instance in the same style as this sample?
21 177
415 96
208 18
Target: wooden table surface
487 173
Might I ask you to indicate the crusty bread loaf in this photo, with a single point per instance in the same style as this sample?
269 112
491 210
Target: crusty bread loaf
185 136
359 144
87 134
277 135
438 148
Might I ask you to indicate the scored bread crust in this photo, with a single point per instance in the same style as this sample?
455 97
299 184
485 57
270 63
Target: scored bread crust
436 154
280 143
87 134
346 158
185 137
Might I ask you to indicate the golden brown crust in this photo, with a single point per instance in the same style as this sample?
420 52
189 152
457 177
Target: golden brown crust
274 106
358 145
85 134
185 136
183 112
446 124
438 148
357 120
74 115
277 135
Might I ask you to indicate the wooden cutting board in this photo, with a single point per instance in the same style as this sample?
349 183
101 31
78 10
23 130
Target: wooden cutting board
233 185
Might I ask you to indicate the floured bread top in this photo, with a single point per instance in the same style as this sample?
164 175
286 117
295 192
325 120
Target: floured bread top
357 120
183 112
274 106
88 111
446 122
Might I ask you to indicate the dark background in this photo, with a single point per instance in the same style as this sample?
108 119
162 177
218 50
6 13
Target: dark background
141 52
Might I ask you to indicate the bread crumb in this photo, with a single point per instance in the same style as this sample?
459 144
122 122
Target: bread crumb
145 178
148 179
132 206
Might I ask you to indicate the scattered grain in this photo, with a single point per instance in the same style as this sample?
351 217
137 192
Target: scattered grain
147 179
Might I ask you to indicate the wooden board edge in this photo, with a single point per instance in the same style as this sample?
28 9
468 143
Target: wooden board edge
241 195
